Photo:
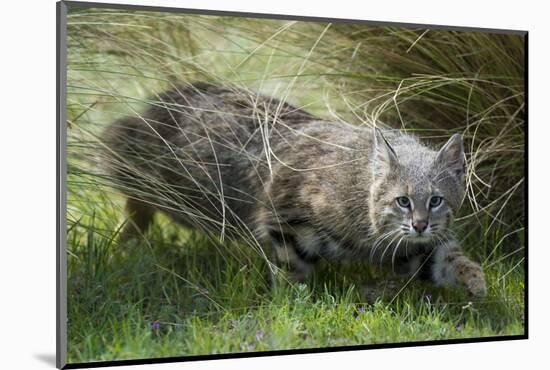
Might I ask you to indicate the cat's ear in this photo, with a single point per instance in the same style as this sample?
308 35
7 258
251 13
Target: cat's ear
385 157
451 155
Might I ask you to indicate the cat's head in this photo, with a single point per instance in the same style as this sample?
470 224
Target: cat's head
416 191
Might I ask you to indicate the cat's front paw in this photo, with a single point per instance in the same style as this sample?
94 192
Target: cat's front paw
476 285
473 278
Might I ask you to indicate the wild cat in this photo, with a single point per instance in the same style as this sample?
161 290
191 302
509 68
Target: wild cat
250 167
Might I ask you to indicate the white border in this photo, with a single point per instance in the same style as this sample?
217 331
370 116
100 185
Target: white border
27 153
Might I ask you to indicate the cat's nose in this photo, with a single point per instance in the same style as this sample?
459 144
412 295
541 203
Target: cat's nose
420 226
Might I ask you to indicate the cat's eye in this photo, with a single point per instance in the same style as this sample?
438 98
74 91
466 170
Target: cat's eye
435 201
404 202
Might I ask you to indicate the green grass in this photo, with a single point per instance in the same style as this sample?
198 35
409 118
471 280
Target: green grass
213 298
210 298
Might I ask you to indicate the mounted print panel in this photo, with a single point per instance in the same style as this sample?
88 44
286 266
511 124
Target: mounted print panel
247 184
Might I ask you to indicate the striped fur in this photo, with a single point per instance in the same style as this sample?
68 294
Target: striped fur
242 166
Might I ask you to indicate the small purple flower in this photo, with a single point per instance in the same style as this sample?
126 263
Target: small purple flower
260 334
155 325
458 327
361 309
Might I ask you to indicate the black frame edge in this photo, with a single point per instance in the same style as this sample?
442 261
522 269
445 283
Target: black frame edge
526 186
224 356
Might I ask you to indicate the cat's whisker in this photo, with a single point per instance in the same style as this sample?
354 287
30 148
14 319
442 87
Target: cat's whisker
395 252
442 240
378 242
387 247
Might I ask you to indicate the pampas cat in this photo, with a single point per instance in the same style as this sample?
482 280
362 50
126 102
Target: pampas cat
244 166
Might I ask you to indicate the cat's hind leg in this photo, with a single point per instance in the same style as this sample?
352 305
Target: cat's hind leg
139 216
